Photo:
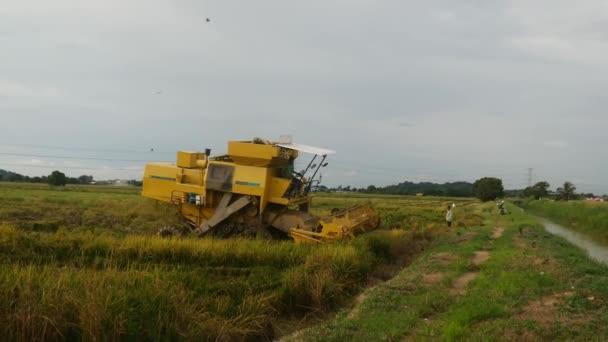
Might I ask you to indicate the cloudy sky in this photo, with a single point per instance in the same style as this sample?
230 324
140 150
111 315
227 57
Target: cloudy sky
403 90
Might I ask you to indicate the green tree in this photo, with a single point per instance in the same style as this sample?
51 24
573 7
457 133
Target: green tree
57 178
567 192
488 188
84 179
538 190
135 182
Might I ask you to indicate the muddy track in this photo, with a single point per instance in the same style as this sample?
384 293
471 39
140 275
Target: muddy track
459 287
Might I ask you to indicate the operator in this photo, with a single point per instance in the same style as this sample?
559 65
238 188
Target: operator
448 216
288 169
288 173
501 208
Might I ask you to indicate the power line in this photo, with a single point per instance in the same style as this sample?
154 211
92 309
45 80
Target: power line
72 157
367 166
88 149
403 176
344 164
358 166
372 170
385 170
74 167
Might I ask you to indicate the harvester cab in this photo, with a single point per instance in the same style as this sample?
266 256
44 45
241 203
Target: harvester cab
250 189
300 184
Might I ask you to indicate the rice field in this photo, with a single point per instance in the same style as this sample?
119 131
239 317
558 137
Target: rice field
84 262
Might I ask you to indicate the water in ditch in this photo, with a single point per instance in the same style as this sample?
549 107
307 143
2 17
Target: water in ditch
596 251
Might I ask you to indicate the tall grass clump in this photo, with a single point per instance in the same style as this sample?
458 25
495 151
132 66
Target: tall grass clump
326 278
42 303
395 246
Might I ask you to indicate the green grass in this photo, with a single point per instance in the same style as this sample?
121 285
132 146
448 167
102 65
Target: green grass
523 268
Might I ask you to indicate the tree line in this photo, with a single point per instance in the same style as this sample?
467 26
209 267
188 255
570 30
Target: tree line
565 192
486 189
455 189
55 178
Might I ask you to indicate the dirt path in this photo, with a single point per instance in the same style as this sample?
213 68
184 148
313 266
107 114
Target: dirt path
431 279
547 310
497 233
443 258
480 257
459 287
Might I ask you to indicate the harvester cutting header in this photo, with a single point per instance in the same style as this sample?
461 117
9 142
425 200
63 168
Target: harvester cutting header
250 189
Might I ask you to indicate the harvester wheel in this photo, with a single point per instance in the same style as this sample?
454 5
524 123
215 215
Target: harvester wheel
251 211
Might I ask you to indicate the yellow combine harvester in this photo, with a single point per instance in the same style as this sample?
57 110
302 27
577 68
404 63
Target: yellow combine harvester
251 188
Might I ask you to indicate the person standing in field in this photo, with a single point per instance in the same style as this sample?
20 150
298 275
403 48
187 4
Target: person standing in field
448 216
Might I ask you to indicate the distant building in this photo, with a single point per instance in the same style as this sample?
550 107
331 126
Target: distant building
595 199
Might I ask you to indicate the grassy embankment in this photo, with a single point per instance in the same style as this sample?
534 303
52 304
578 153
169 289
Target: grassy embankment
507 279
587 217
83 262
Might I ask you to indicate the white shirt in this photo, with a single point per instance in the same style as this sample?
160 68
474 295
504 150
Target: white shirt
448 216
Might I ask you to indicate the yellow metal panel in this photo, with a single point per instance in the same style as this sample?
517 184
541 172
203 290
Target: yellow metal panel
196 214
247 190
262 155
190 188
277 189
159 181
245 149
249 180
194 176
188 158
160 169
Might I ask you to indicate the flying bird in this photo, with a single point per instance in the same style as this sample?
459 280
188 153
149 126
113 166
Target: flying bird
208 20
